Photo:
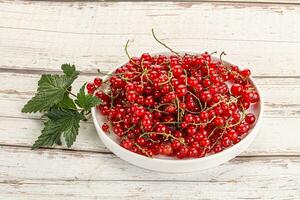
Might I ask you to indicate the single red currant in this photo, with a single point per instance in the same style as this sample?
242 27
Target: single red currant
181 90
105 127
245 73
97 82
206 96
90 88
219 121
236 89
250 118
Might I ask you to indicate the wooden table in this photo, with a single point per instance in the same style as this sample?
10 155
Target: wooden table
36 37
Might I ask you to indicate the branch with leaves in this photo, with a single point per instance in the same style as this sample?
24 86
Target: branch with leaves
63 113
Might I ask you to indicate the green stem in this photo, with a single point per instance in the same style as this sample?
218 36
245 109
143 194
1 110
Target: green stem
216 104
192 112
103 73
160 111
163 104
74 95
129 129
142 150
195 124
163 44
212 132
241 119
208 70
205 105
126 51
222 53
178 111
215 52
218 139
164 134
197 99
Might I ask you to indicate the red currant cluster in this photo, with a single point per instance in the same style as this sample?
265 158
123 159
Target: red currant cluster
185 106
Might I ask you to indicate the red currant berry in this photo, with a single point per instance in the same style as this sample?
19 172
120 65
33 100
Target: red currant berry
146 122
205 142
232 134
175 144
192 81
193 153
218 148
149 101
245 73
250 118
97 82
191 130
127 144
181 90
226 142
236 89
167 149
219 121
177 71
189 118
90 88
105 127
183 151
131 96
141 141
206 96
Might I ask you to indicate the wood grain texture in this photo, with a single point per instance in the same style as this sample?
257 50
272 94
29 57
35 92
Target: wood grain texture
42 35
55 165
105 176
281 95
37 37
282 108
263 189
293 2
273 138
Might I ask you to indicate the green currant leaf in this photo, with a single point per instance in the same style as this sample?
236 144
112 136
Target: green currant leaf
59 122
86 101
70 71
50 134
67 103
58 141
51 90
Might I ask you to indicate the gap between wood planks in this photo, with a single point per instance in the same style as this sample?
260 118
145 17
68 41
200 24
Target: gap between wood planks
41 181
100 166
62 149
6 69
22 93
122 34
280 2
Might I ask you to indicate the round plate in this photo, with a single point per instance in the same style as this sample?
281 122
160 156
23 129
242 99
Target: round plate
170 164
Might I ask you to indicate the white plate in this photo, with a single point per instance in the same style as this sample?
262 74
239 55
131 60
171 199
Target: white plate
175 165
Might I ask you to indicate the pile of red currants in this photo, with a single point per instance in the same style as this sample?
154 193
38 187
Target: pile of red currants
185 106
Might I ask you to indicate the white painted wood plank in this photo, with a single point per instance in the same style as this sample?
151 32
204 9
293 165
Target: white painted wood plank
127 190
246 1
102 13
26 131
42 35
265 189
282 112
75 175
277 136
25 164
281 95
